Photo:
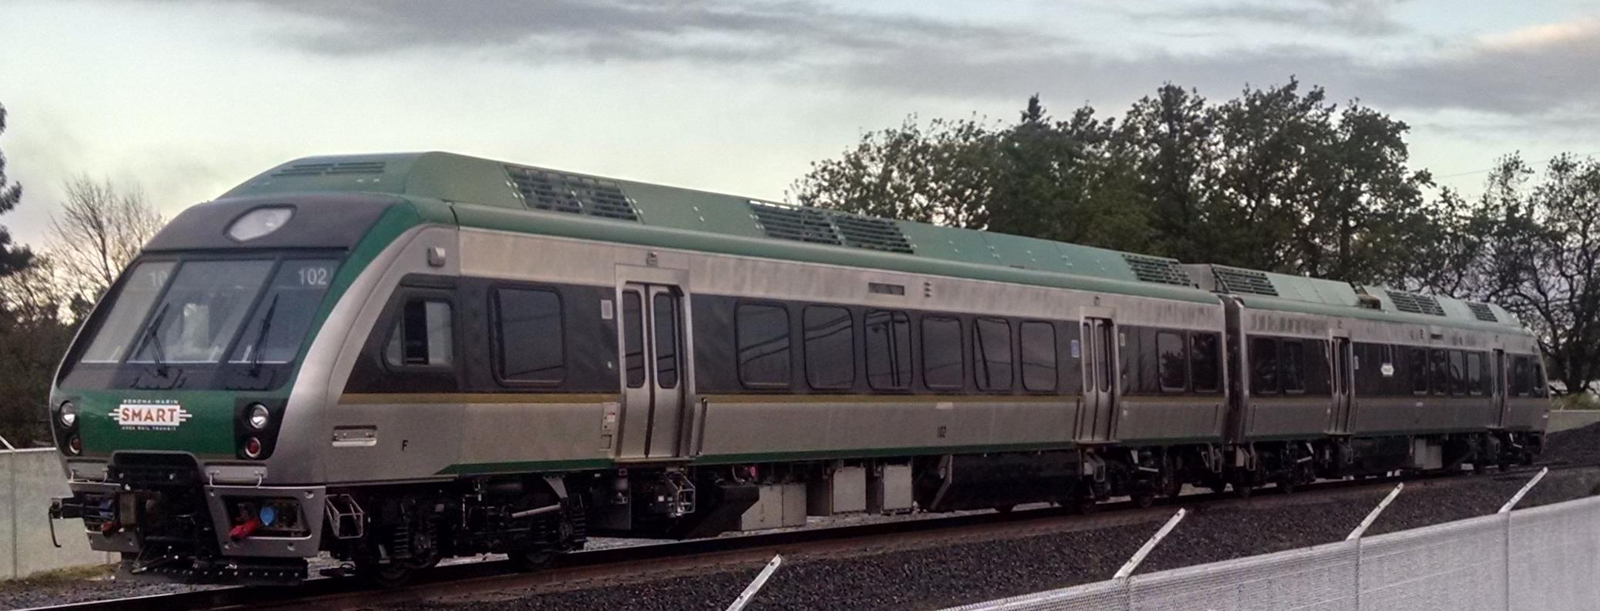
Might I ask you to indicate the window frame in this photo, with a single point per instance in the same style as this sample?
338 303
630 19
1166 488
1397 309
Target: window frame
960 351
1161 369
1010 352
497 339
1475 371
893 317
1296 347
738 334
1216 359
1256 366
1055 358
1420 366
396 324
805 340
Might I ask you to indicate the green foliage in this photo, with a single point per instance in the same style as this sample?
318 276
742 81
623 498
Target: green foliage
32 339
13 258
1535 250
1276 179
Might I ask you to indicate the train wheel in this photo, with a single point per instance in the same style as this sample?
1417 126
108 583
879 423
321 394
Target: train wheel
528 561
387 576
1144 500
1243 491
1004 509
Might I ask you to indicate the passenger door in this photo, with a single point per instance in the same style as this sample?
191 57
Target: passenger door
1097 420
653 354
1343 385
1500 369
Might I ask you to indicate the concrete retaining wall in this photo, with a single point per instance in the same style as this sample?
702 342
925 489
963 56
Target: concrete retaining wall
28 480
1566 419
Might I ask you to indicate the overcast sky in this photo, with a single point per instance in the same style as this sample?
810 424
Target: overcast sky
190 97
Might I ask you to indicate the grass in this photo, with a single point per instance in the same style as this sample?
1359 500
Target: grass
59 577
1582 400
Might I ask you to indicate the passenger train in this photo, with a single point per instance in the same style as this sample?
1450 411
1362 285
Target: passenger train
399 358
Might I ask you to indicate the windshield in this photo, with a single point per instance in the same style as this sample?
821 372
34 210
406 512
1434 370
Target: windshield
191 312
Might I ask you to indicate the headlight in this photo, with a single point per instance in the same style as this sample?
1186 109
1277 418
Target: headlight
68 415
259 416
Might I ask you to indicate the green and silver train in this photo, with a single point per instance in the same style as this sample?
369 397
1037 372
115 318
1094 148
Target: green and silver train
399 358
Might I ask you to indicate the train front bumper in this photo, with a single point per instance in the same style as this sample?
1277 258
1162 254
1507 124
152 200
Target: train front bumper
197 527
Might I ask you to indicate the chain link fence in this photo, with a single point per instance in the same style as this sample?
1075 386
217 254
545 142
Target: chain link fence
1541 559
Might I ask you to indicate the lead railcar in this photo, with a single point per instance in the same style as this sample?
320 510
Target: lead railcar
399 358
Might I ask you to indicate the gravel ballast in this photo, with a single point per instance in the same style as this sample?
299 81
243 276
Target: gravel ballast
940 574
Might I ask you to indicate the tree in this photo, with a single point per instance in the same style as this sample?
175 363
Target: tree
33 339
99 230
12 258
1171 138
941 174
1040 177
1540 258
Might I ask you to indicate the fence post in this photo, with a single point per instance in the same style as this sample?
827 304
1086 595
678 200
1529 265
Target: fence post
755 585
10 454
1361 528
1144 550
1517 498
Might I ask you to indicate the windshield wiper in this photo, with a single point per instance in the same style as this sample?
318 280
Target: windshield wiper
261 337
152 338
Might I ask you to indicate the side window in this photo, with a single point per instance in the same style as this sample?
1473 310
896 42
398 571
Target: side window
763 341
1172 362
1038 356
1264 366
1205 362
665 309
1474 373
424 336
888 337
528 333
830 347
1458 373
633 338
942 364
1419 371
1519 377
1294 366
1439 372
991 353
1539 388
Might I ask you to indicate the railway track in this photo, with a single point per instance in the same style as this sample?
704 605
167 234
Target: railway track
745 550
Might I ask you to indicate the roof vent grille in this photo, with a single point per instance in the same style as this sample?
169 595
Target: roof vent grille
1239 281
1158 270
871 233
820 226
554 191
1482 311
330 168
1415 303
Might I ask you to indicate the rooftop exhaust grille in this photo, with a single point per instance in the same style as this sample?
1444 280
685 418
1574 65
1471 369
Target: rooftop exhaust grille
1153 269
1238 281
819 226
331 168
1482 311
795 223
871 233
1414 303
554 191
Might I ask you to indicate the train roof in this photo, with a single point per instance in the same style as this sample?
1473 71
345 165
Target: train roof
506 196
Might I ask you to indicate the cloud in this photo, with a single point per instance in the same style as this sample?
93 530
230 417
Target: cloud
1540 71
626 30
1350 17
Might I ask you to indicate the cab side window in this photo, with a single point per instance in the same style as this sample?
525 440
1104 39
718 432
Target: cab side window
423 336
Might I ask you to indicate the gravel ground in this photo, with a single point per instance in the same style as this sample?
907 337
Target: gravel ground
1579 446
971 571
